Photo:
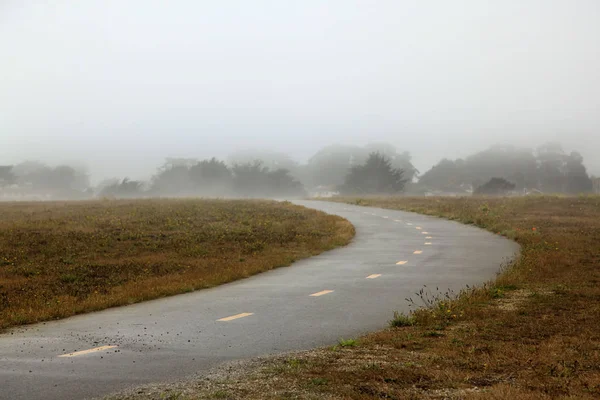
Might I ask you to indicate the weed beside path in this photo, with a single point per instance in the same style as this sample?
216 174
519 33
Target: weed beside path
63 258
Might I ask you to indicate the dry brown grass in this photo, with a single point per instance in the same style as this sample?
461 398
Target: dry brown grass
532 334
62 258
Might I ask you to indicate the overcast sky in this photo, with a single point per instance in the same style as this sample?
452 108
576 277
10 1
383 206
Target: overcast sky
119 85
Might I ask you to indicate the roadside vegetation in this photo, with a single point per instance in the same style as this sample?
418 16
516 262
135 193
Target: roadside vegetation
63 258
531 334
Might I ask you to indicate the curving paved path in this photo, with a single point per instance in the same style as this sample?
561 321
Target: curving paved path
341 293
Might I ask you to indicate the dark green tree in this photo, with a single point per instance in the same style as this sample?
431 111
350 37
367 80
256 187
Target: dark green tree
398 160
577 178
283 184
211 177
376 175
255 180
551 167
173 179
447 175
250 179
330 165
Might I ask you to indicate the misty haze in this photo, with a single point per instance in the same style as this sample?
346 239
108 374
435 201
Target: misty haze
113 89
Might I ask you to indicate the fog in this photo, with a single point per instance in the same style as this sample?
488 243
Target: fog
118 86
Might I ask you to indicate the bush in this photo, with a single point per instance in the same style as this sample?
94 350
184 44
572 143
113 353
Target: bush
347 342
495 187
401 319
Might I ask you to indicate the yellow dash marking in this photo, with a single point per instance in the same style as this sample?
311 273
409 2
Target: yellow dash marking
428 237
386 217
242 315
427 242
425 233
373 276
401 262
321 293
397 220
417 251
83 352
408 223
419 228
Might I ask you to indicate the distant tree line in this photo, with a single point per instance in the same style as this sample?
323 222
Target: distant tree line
546 169
211 178
373 169
330 165
61 180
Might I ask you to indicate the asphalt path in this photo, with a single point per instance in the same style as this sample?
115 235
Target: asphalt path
342 293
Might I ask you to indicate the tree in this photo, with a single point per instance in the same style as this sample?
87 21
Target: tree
211 177
62 180
551 166
283 184
62 177
29 172
398 160
250 179
173 178
447 175
7 177
548 169
376 175
330 165
495 187
270 159
509 162
255 180
578 180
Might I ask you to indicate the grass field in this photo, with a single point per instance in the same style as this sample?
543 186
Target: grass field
63 258
534 333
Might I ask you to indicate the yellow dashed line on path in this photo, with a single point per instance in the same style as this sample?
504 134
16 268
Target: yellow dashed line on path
321 293
373 276
237 316
428 237
408 223
417 251
427 242
397 220
419 228
425 233
83 352
401 262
